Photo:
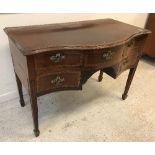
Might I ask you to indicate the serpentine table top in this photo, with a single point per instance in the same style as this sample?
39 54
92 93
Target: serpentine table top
96 34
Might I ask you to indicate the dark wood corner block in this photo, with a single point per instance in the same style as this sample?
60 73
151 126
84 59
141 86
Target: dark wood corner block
58 57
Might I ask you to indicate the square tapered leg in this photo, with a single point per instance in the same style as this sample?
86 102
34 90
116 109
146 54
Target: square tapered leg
19 85
100 77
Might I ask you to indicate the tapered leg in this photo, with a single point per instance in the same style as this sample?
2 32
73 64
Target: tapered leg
34 107
19 85
128 83
100 77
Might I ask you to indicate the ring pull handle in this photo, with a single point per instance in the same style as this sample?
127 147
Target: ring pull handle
57 58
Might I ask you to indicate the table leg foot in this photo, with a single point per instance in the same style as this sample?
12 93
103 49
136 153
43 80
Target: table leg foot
124 96
36 132
22 103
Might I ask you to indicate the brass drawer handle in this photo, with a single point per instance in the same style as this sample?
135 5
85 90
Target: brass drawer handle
57 58
58 81
108 55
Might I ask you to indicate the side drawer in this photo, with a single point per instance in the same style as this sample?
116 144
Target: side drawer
127 63
132 48
59 80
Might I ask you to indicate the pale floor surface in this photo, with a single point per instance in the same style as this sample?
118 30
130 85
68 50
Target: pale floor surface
95 114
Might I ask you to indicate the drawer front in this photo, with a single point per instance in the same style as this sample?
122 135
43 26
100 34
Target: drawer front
104 57
68 79
128 62
58 59
132 48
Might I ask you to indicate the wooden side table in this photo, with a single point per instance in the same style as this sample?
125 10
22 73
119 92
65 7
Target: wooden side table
56 57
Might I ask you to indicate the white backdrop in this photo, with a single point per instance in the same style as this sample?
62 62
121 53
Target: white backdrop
8 88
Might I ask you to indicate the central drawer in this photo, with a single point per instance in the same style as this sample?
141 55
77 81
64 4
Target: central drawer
103 57
53 61
58 80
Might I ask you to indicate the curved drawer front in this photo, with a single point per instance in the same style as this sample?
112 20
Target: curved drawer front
68 79
131 54
132 48
104 57
56 60
129 61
